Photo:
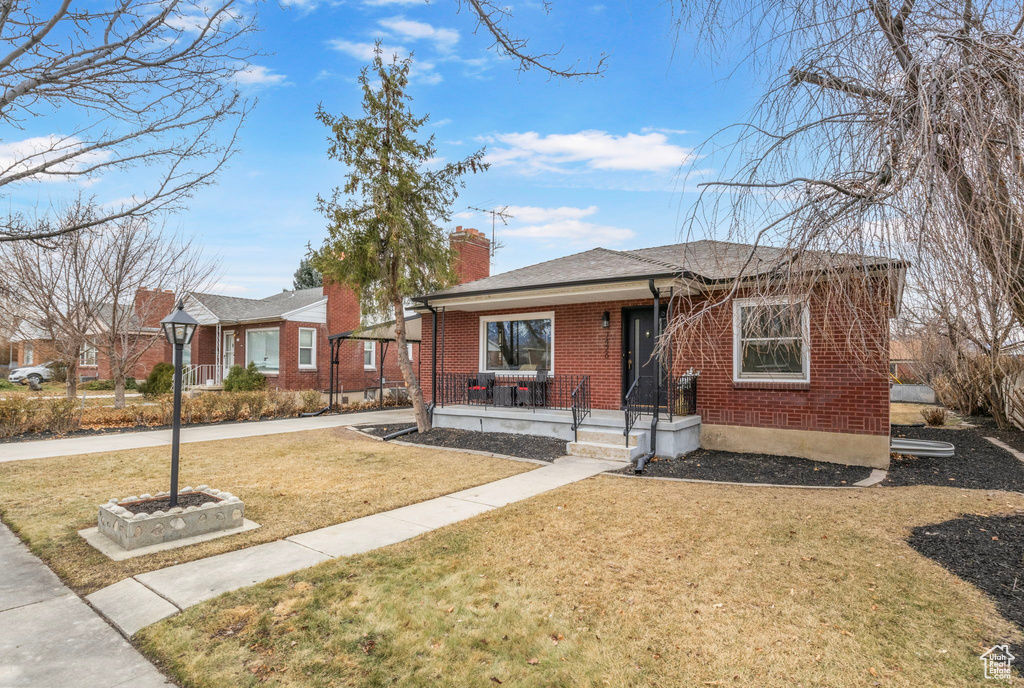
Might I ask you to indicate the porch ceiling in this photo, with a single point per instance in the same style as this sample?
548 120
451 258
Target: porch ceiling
592 293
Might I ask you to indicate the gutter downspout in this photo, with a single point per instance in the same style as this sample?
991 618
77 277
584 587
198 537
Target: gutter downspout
642 461
433 363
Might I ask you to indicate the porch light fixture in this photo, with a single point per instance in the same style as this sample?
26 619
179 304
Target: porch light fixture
605 320
178 327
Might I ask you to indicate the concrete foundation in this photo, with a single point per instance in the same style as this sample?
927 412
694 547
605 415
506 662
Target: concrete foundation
833 447
675 437
131 531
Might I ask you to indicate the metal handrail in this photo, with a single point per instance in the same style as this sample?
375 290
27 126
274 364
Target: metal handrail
197 375
632 407
580 404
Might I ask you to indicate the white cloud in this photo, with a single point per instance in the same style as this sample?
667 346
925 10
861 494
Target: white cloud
533 214
423 71
595 149
410 29
442 122
16 157
573 232
663 130
258 75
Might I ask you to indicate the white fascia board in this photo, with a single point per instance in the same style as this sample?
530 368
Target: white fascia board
313 313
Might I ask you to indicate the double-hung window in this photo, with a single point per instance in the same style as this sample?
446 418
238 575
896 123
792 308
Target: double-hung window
522 343
87 357
262 347
369 355
307 347
770 340
28 354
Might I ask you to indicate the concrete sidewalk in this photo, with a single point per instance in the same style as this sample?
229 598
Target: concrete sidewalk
135 603
42 449
50 638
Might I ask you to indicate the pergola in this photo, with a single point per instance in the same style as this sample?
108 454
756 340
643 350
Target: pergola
384 333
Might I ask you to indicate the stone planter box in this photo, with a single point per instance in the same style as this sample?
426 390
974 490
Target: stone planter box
131 531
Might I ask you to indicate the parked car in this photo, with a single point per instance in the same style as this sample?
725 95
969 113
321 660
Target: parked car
39 373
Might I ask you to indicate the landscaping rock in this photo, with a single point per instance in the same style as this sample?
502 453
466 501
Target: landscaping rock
522 446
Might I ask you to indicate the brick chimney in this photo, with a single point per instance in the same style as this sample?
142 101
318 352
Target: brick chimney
152 306
473 254
342 307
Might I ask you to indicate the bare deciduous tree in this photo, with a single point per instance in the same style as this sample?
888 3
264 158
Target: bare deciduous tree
137 262
151 85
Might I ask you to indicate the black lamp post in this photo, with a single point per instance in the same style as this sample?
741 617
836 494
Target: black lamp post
179 327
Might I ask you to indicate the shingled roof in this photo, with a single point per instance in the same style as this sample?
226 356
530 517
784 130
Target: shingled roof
705 260
238 309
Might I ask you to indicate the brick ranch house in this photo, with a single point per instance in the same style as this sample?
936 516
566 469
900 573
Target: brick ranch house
563 348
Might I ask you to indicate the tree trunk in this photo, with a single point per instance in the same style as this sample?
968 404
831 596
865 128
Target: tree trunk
72 383
118 389
412 383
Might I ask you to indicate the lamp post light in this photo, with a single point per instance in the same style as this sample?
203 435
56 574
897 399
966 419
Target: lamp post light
178 327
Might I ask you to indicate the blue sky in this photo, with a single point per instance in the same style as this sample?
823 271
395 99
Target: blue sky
582 163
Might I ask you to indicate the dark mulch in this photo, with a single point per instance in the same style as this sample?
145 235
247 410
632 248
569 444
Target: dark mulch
523 446
709 464
976 464
148 506
986 551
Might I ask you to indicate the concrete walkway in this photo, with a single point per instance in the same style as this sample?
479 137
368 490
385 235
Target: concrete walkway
135 603
42 449
50 638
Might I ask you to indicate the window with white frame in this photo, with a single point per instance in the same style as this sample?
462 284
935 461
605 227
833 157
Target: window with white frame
186 355
408 348
307 347
522 343
770 340
262 347
87 357
28 354
369 355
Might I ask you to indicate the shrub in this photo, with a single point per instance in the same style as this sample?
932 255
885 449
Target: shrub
934 415
99 385
7 386
311 400
60 371
130 383
281 404
15 415
257 403
241 379
207 407
160 380
63 415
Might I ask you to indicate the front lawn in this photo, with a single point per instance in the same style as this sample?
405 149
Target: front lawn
615 582
290 483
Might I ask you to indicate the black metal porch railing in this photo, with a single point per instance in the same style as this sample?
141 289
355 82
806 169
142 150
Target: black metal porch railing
488 389
580 403
678 399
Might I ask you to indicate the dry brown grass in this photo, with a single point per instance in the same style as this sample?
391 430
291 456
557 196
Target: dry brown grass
617 582
909 414
290 484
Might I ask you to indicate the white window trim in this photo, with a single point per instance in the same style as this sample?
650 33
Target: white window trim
373 355
536 315
95 356
245 353
299 348
805 329
28 353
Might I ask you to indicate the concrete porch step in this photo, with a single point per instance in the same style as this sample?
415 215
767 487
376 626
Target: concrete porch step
636 437
602 450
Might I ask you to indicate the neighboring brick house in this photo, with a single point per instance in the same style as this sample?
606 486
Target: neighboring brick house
587 321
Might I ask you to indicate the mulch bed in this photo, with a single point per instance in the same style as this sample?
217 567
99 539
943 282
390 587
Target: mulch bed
148 506
522 446
976 464
709 464
986 551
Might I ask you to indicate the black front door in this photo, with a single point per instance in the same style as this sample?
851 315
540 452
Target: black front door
638 341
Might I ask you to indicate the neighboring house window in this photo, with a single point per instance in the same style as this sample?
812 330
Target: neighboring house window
262 347
28 355
307 347
88 356
369 355
522 343
408 348
770 340
186 355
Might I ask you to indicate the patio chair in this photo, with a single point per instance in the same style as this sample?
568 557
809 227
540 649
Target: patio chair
533 392
481 388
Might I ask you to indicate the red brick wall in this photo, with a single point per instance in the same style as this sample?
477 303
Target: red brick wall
842 396
473 254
